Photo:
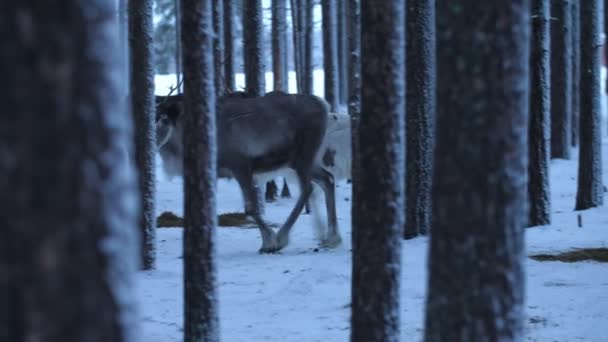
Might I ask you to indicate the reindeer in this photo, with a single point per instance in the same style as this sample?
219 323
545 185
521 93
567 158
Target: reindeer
258 135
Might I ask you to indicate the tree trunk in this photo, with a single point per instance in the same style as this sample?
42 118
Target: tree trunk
143 108
229 45
420 115
476 259
123 29
590 190
539 195
330 53
218 47
561 79
296 28
201 322
342 51
279 49
576 69
307 69
178 47
285 193
354 81
378 192
68 244
252 48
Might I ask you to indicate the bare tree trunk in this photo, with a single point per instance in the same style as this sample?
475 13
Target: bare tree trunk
342 51
590 191
307 69
279 49
229 44
218 47
296 28
178 46
476 258
252 48
576 69
330 53
354 81
420 115
561 79
378 192
201 322
69 245
123 29
143 108
539 195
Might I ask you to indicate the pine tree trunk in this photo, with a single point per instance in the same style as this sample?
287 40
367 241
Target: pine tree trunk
123 29
539 195
378 192
201 322
252 48
354 81
561 79
279 50
330 53
229 45
296 28
576 69
420 119
342 51
143 108
218 47
590 190
307 70
68 243
178 47
476 258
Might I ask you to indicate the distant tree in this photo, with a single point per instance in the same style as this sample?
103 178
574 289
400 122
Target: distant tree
590 191
378 191
420 117
164 36
297 32
476 260
279 49
307 47
539 195
330 52
561 79
229 19
69 244
354 80
576 69
143 109
178 46
342 35
252 46
201 322
218 47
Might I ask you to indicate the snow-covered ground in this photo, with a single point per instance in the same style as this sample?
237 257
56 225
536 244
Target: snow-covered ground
303 295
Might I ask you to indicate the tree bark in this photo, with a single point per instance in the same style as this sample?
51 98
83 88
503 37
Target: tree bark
576 69
69 245
296 28
143 108
279 49
218 47
420 115
561 79
330 53
378 192
342 51
229 45
252 48
307 41
178 47
590 191
476 259
201 322
354 81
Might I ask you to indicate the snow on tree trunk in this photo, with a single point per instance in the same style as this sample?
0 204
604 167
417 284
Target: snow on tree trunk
539 198
330 52
69 245
590 190
420 115
561 79
252 47
378 192
123 33
229 45
201 322
576 69
354 80
218 47
476 259
143 109
279 49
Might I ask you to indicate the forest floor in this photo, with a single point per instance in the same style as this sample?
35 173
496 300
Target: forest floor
303 294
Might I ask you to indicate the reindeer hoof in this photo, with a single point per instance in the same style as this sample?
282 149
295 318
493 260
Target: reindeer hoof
269 250
282 240
331 242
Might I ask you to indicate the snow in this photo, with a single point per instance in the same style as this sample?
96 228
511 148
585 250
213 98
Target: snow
303 295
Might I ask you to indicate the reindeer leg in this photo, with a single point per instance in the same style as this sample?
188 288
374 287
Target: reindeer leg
283 234
326 180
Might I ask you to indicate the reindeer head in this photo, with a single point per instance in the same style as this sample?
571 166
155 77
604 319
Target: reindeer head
168 111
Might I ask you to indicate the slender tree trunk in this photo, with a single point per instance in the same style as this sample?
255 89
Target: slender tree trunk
178 46
229 45
378 192
539 195
561 79
279 50
354 81
296 28
201 322
307 69
142 104
69 244
590 190
218 47
476 258
330 53
342 51
252 47
123 28
576 69
420 115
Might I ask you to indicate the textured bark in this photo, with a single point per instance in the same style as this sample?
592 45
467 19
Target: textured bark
378 192
229 45
68 244
420 117
476 259
539 195
296 29
178 46
218 47
143 109
307 47
576 69
354 82
123 29
342 51
252 48
279 49
330 53
561 79
201 322
590 190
